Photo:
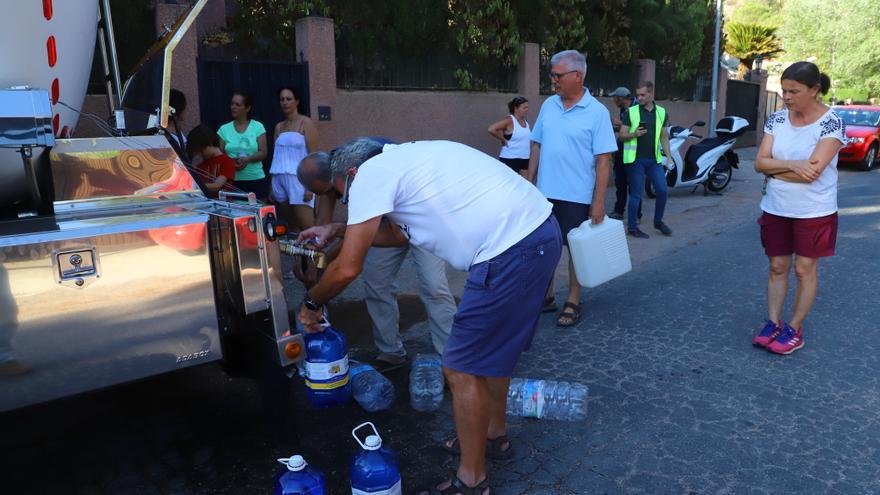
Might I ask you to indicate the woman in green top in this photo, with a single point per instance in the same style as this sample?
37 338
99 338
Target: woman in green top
244 140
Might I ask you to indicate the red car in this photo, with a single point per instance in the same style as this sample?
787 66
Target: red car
863 135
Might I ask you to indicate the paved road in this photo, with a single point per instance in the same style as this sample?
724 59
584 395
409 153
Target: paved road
680 402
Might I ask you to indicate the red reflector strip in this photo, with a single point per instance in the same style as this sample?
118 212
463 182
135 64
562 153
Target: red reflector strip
65 132
56 120
56 91
50 49
47 9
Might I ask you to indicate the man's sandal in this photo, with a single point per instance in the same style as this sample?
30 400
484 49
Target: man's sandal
494 447
569 318
458 487
549 306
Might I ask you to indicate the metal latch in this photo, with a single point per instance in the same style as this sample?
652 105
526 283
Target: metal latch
76 267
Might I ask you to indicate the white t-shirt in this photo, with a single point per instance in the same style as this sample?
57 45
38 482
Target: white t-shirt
452 200
799 200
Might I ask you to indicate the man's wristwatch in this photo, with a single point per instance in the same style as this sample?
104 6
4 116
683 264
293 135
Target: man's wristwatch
310 304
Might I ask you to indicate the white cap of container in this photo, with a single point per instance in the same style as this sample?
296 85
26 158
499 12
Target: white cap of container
294 463
373 442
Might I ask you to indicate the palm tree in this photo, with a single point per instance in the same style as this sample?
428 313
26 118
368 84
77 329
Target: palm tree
749 41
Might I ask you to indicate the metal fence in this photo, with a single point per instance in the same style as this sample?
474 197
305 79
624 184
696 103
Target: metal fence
600 80
436 71
666 87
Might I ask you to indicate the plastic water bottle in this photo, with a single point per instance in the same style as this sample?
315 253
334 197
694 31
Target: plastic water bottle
299 478
547 399
326 365
374 469
370 388
426 383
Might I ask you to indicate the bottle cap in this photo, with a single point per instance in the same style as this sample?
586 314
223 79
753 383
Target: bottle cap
294 463
373 442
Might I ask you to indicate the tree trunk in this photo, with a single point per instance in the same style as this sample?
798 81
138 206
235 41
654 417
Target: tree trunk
745 65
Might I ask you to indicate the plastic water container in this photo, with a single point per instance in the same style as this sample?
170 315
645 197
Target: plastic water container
298 479
374 469
547 399
426 383
370 388
599 253
326 368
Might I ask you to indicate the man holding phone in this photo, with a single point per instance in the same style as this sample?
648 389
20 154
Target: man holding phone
643 132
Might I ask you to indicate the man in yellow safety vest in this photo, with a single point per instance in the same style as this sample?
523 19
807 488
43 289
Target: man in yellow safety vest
643 132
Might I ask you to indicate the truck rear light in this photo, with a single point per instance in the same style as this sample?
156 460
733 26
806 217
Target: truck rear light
292 350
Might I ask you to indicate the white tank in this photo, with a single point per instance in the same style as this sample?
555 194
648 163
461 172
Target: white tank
599 253
49 44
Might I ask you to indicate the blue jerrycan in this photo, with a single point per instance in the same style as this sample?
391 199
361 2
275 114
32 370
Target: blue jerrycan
326 368
298 478
374 469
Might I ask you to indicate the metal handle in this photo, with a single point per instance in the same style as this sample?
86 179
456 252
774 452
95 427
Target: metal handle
250 197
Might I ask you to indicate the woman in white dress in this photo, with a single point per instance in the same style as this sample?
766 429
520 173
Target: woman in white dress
295 137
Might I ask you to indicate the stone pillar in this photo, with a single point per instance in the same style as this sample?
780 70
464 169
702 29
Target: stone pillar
184 71
721 109
528 75
760 77
647 71
316 43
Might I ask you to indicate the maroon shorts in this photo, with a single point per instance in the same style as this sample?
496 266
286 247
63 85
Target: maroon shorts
808 237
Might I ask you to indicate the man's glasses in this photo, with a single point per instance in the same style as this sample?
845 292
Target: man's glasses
557 75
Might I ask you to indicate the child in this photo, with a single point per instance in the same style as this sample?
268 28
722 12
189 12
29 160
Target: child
219 169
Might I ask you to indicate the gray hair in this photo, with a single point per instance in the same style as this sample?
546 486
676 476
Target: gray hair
322 167
572 59
353 154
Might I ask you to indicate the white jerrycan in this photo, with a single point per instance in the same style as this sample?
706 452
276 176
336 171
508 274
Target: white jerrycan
599 252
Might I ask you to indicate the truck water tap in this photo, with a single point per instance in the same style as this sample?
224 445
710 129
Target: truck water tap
290 248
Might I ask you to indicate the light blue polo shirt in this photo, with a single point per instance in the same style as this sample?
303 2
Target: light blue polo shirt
570 140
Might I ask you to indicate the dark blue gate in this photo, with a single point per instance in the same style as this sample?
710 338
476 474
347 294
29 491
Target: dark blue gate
218 79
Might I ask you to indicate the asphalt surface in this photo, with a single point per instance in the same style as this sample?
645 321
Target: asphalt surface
680 402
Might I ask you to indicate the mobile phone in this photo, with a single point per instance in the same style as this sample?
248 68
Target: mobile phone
642 127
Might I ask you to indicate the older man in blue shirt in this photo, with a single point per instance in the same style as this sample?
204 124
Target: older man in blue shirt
572 143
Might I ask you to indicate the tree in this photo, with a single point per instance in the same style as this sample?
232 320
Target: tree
763 12
485 33
750 41
671 32
844 42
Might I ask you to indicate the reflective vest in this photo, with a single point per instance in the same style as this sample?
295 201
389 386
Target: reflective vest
629 147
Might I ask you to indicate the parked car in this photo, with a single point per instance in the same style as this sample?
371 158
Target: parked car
863 135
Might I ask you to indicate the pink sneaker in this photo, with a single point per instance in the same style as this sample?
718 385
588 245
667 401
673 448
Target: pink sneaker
788 340
767 334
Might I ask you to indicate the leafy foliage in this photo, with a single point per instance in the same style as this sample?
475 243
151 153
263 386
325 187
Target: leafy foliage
749 41
610 32
763 12
844 40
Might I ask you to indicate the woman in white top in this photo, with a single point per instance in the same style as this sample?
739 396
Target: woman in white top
798 156
295 137
515 135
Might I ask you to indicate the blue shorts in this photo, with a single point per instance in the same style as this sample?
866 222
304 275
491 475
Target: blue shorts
502 301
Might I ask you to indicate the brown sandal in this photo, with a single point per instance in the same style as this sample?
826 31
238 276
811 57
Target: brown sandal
494 447
572 317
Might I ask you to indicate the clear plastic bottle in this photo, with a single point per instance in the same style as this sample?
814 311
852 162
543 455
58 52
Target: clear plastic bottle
426 383
547 399
298 478
370 388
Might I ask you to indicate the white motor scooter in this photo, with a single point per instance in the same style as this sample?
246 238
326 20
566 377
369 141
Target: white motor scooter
708 163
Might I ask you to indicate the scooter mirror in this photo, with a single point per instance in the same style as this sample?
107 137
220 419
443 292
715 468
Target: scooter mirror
699 123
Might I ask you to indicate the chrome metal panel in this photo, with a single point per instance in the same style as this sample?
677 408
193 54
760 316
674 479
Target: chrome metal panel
148 308
249 240
91 174
25 118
